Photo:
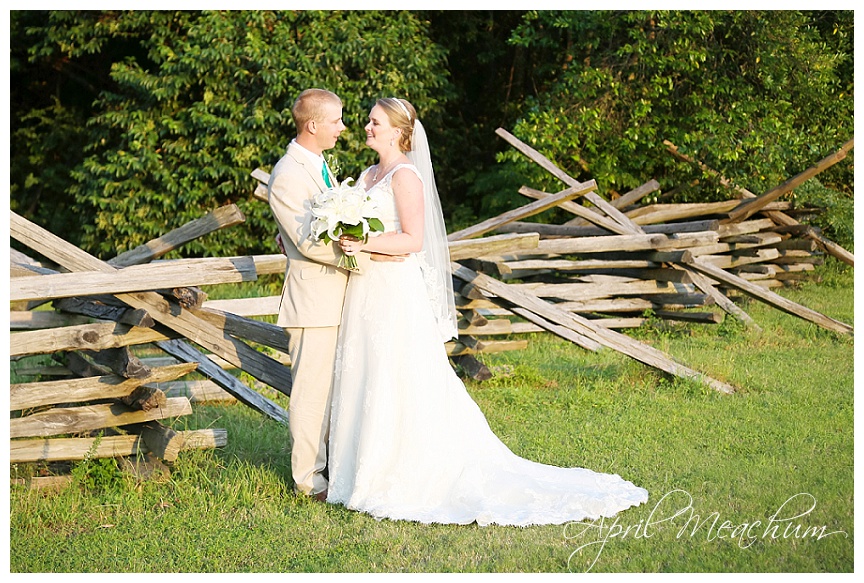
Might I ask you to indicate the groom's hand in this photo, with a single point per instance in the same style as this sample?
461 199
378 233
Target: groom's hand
383 257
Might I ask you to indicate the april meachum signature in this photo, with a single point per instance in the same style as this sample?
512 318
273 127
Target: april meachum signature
782 524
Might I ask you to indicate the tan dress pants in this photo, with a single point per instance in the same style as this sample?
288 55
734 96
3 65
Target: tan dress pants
313 355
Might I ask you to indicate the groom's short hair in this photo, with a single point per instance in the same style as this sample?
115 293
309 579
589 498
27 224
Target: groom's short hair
309 106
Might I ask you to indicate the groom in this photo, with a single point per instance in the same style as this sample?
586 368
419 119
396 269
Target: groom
314 289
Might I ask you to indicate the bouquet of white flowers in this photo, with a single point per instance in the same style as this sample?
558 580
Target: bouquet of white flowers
345 210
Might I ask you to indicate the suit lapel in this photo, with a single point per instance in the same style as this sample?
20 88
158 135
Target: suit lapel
308 166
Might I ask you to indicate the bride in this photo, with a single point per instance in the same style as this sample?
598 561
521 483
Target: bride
406 440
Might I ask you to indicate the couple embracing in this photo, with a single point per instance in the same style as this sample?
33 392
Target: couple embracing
379 420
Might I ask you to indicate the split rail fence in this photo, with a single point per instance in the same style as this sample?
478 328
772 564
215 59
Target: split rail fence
583 280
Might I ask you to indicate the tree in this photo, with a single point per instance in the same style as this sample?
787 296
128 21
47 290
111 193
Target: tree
491 80
197 100
758 96
50 99
126 124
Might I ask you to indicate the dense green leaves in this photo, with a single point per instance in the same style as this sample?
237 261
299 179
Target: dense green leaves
126 124
758 96
205 99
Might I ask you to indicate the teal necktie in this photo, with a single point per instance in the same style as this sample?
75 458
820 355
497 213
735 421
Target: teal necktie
325 174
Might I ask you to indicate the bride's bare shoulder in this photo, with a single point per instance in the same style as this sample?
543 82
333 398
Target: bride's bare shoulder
406 173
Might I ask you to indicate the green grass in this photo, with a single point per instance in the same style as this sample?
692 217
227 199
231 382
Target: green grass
788 431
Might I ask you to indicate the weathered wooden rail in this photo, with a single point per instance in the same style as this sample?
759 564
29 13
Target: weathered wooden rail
582 280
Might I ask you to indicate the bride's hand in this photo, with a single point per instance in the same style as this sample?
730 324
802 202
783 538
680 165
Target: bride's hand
350 245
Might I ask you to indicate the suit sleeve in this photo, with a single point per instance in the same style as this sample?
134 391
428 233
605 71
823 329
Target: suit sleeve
289 200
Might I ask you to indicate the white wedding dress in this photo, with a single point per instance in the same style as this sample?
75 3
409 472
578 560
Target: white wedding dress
406 439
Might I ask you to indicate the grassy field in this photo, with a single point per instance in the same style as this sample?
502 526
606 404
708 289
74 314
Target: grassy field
759 481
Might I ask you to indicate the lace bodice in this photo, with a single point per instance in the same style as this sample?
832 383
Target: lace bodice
445 314
383 192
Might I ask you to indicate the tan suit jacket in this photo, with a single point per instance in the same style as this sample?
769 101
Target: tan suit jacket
314 288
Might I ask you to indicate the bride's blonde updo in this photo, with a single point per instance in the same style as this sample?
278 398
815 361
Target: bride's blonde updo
401 114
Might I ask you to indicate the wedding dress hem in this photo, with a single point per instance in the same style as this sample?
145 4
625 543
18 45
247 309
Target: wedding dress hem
407 442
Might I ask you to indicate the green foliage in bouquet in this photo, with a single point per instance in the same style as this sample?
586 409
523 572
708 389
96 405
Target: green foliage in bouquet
355 231
346 210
